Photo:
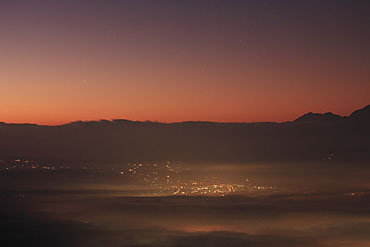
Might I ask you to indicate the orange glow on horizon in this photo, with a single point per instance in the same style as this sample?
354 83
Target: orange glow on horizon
243 64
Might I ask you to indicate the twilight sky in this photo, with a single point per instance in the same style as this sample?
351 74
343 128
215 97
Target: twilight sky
175 60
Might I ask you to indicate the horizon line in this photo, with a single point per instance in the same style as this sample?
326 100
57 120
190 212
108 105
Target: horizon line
174 122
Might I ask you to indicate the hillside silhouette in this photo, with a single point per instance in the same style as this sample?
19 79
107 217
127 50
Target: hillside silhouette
312 136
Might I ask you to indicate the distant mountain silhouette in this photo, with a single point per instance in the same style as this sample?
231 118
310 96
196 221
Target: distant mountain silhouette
310 137
361 114
318 117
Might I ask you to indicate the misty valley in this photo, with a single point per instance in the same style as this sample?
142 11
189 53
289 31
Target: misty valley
172 203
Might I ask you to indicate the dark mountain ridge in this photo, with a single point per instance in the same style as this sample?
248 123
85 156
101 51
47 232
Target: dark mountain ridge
362 115
319 117
310 137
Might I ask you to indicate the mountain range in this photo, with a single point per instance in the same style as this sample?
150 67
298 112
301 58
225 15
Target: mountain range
313 136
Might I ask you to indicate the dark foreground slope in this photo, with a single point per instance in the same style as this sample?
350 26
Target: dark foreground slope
310 137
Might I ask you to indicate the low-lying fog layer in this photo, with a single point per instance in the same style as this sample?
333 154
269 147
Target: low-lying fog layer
310 205
63 219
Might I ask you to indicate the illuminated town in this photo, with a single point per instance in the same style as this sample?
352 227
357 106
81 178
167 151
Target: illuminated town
173 179
162 178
